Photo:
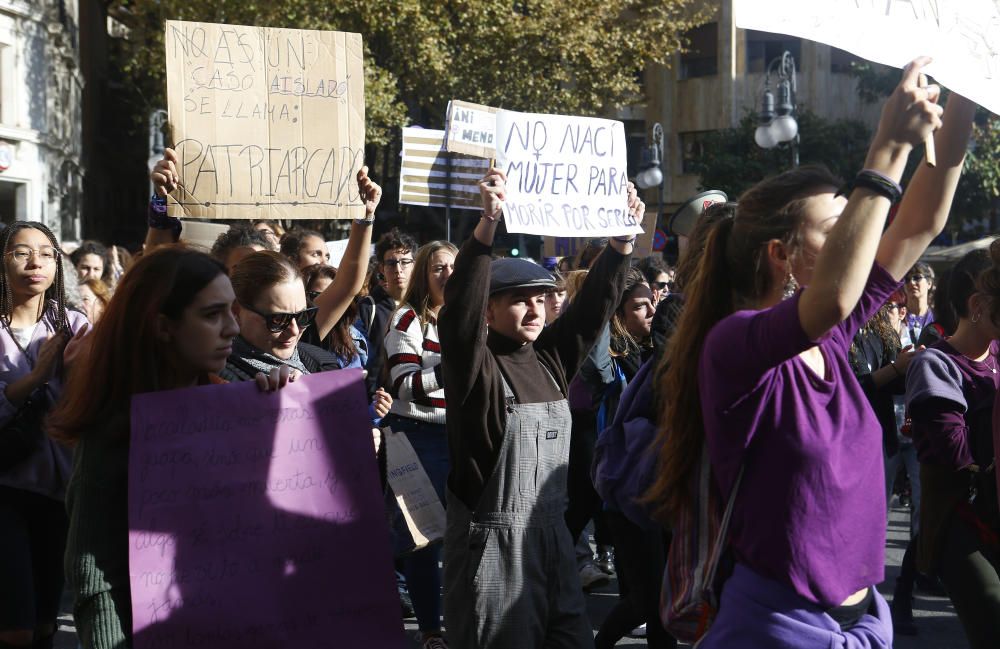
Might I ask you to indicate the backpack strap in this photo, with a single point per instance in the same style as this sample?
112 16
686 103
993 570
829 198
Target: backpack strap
722 538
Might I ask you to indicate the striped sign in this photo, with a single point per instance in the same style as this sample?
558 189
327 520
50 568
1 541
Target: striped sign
424 173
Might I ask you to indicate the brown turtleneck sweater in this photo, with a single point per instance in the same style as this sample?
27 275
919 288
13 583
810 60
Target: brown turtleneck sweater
472 360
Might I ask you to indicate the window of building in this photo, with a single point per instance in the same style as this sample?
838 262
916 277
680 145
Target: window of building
764 47
636 141
702 57
692 150
841 60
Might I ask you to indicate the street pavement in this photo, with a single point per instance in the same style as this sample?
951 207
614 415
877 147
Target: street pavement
938 627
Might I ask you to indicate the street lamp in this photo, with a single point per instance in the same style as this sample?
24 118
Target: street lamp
650 174
776 123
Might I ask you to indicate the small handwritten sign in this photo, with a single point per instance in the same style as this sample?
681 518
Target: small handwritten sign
963 36
432 177
267 123
471 129
242 508
566 176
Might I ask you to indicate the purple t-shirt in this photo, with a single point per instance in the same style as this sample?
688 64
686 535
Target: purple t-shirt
811 507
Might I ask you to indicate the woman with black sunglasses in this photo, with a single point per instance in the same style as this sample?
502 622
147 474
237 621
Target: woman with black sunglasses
273 312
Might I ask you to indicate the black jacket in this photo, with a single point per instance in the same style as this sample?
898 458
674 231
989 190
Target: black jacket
374 315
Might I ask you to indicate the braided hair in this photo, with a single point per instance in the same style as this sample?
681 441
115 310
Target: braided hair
55 295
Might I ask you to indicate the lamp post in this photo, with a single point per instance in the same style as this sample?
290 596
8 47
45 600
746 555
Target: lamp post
776 123
651 173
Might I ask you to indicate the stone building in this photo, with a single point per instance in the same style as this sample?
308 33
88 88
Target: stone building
40 114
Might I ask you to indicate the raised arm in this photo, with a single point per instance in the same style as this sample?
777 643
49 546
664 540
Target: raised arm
162 229
845 261
462 321
337 297
924 211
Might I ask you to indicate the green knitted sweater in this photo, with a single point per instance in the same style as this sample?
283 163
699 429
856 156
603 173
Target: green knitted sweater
97 546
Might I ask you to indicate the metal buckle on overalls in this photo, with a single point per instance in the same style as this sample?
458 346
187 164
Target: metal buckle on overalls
510 404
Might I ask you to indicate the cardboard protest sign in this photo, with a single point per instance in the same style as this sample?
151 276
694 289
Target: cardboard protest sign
432 177
963 36
242 506
267 123
413 491
568 246
471 129
566 176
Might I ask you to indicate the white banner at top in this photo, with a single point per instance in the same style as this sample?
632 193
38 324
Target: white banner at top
963 36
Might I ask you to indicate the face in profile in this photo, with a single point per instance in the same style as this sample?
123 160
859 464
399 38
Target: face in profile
202 338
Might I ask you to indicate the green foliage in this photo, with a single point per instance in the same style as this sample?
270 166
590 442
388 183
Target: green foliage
733 162
580 57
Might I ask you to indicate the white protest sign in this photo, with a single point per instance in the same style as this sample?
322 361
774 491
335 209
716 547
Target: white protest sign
267 123
566 176
471 129
963 36
432 177
199 233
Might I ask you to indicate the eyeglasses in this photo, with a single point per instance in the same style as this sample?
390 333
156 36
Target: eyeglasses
915 279
278 322
392 263
46 255
660 286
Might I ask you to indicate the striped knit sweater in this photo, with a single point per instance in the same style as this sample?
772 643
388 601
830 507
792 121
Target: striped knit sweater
414 363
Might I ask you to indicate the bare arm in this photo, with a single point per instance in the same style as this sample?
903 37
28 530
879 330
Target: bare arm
845 261
927 202
334 301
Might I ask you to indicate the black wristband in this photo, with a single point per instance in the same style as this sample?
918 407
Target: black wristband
876 182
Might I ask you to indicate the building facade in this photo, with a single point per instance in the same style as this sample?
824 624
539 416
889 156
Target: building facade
40 114
721 78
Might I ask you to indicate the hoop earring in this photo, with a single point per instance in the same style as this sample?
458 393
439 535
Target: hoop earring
791 286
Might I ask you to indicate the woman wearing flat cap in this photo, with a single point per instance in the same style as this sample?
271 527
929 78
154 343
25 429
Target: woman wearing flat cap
510 575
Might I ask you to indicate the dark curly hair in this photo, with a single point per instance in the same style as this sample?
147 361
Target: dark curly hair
90 247
238 236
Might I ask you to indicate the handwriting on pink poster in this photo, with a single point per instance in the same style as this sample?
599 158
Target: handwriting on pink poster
256 520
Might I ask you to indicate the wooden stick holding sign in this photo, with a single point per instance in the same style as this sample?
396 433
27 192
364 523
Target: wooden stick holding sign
929 149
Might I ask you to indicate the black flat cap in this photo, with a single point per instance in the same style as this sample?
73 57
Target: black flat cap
510 272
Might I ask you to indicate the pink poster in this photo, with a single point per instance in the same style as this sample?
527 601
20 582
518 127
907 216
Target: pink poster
256 520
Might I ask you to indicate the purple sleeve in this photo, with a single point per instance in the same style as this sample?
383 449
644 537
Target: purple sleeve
745 345
940 433
879 288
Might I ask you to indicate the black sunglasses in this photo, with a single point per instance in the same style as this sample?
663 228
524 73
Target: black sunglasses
659 286
278 322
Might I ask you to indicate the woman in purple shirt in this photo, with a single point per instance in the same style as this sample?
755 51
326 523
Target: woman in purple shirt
950 390
37 337
757 370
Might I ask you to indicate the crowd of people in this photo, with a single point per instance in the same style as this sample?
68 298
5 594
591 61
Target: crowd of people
801 355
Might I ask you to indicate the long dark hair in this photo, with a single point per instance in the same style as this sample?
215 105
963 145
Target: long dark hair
732 273
341 343
123 349
418 292
622 342
55 295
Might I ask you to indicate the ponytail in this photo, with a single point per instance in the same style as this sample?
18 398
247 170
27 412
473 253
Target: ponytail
708 299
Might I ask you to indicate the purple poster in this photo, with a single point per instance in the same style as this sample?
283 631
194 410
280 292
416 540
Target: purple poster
256 520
